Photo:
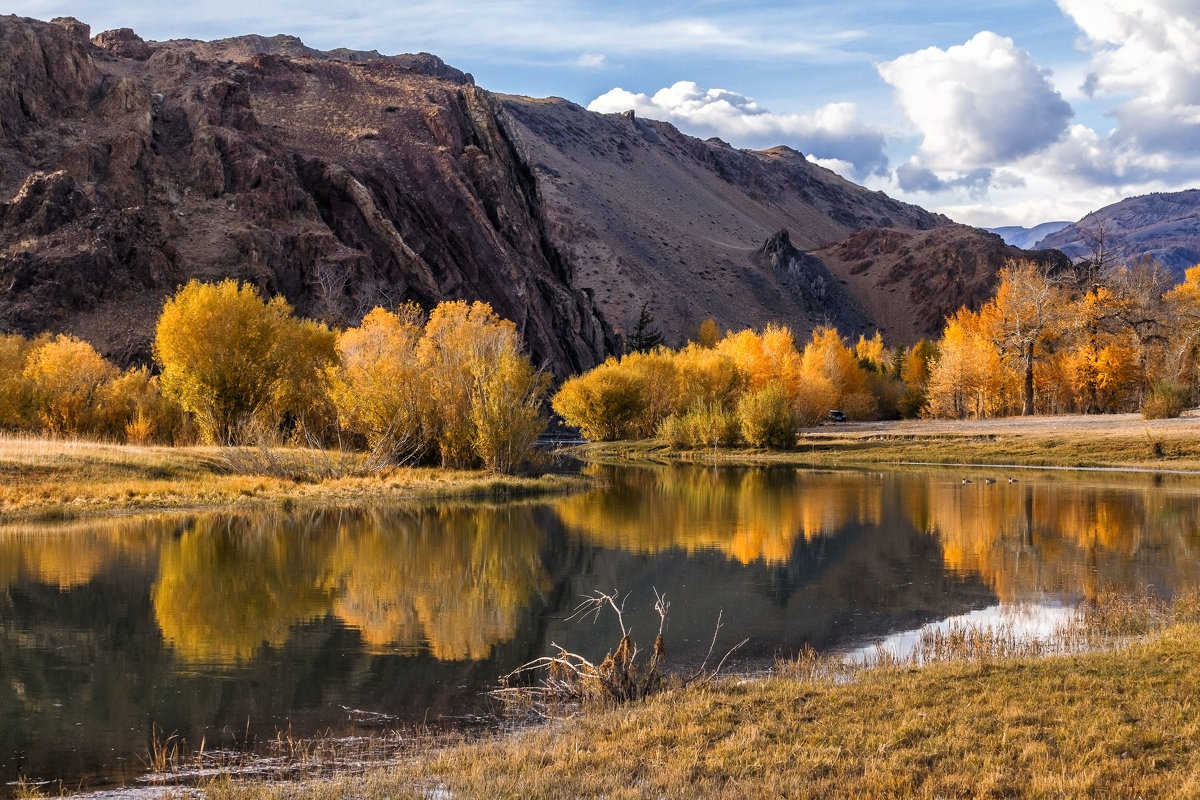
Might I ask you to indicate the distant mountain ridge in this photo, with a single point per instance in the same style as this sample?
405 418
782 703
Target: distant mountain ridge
1027 238
1162 226
344 179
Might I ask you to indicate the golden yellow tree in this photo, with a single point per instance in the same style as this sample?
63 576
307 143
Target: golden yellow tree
506 410
827 357
709 333
769 357
473 365
15 397
871 351
967 377
1026 315
66 376
226 356
377 383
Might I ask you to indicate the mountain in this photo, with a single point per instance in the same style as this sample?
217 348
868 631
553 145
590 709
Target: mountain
1027 238
346 179
1165 227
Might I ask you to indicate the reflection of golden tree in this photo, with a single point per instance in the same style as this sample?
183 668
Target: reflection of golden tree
455 578
231 584
67 556
750 515
1025 539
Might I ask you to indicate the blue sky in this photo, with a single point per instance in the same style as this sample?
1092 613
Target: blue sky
993 112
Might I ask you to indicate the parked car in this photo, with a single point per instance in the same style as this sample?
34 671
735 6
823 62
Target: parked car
836 416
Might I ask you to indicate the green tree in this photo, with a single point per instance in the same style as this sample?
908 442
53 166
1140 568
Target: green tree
645 335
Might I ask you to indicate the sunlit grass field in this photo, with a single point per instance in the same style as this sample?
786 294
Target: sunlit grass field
47 478
1116 714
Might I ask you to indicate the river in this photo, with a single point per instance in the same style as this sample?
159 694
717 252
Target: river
222 630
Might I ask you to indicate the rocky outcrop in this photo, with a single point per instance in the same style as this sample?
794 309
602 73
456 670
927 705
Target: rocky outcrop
339 182
815 288
910 281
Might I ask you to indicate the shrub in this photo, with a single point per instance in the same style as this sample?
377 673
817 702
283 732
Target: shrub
704 425
767 417
1166 400
229 357
606 404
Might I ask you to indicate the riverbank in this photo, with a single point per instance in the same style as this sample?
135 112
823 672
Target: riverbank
1113 441
43 478
1117 721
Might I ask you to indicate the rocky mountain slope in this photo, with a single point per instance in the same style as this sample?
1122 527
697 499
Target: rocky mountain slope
346 179
1165 227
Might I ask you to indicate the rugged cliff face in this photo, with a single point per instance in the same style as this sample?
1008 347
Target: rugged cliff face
910 281
339 184
345 179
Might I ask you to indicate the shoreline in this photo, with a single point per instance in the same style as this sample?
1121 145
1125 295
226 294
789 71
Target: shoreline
1116 443
49 480
45 479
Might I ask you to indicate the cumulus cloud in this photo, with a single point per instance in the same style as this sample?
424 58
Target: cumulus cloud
979 104
831 133
1149 52
913 177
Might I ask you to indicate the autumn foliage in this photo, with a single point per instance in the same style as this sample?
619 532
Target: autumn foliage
453 386
749 387
1042 344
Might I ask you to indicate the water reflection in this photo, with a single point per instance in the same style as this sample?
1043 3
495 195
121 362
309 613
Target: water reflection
227 626
1070 538
750 515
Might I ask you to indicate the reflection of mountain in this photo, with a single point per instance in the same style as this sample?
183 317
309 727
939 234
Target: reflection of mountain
1068 539
107 628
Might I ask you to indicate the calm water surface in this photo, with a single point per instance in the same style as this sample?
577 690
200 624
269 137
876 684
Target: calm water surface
232 628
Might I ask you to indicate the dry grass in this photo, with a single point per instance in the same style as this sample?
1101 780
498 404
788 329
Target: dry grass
1122 441
984 722
43 478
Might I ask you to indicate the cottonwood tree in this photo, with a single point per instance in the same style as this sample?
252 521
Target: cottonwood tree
966 379
227 356
377 383
475 373
66 377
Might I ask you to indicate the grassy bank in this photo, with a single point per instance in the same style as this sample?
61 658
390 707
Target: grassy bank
55 479
1107 723
1122 441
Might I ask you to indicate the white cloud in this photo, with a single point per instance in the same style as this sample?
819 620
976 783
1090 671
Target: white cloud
832 132
592 61
1146 55
977 105
836 165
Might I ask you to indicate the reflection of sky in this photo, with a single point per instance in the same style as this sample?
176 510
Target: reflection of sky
1025 622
